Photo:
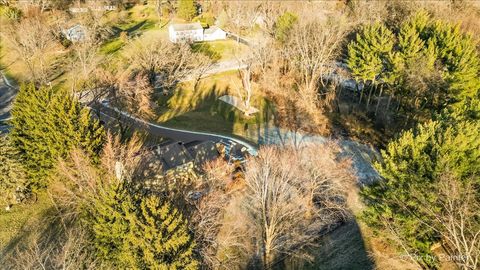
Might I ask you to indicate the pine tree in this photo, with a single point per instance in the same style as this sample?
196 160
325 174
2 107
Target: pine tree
12 173
410 46
136 232
368 54
412 168
187 9
47 123
458 53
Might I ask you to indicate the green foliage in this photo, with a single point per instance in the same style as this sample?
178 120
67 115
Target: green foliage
412 168
12 173
47 123
140 232
368 53
430 64
186 9
410 46
12 13
458 54
206 19
284 25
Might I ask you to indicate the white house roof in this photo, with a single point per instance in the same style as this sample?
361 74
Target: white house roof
212 30
186 26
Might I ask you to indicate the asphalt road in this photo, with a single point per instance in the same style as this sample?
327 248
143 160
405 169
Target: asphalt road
184 136
7 94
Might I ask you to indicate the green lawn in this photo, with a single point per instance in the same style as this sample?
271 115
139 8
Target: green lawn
201 110
220 49
15 223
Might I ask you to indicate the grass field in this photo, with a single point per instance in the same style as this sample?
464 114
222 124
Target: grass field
14 223
220 49
200 110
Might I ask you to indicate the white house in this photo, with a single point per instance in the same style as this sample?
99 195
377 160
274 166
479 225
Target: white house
76 33
189 32
214 33
194 32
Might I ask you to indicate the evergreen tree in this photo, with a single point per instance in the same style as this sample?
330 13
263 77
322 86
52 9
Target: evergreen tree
410 46
187 9
47 123
284 25
136 232
458 53
368 54
412 168
12 173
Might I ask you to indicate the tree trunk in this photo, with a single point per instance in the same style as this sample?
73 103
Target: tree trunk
379 98
361 93
372 86
389 100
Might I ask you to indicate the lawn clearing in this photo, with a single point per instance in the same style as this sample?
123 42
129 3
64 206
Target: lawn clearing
220 49
201 110
13 224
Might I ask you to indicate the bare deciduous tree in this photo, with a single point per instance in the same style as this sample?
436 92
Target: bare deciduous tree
64 247
32 39
85 61
165 63
291 203
313 49
207 218
134 93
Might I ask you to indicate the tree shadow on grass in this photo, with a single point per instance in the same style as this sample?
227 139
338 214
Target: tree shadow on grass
343 248
43 232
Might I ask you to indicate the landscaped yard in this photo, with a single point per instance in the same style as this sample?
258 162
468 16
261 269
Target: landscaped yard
201 110
221 49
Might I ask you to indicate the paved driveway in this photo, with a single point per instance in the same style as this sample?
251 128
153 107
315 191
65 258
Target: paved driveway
7 94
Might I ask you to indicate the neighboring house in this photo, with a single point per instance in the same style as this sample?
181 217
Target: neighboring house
190 32
214 33
76 33
94 8
194 32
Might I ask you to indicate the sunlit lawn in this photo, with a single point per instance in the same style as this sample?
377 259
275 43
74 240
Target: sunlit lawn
221 49
201 110
14 222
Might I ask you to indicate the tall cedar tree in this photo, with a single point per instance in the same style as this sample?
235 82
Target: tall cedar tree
47 123
140 232
187 9
412 168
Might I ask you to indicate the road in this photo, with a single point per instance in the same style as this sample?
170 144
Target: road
217 67
7 95
182 135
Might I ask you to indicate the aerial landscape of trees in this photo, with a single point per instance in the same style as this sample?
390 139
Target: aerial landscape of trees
376 106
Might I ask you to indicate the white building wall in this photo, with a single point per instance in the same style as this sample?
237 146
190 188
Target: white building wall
217 35
185 35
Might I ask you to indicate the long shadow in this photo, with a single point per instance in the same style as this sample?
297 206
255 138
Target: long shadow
344 248
44 232
341 249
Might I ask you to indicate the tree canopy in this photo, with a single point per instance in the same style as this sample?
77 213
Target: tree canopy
47 123
420 170
431 63
186 9
140 232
